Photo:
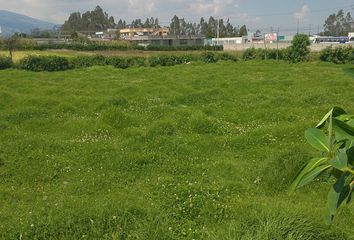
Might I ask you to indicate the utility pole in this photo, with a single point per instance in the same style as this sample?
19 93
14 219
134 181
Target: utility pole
310 30
278 44
265 46
297 31
217 31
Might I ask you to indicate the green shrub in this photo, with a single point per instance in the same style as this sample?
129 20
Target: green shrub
55 63
208 57
44 63
253 54
265 54
88 61
338 54
227 57
119 62
299 49
5 62
137 61
163 60
333 138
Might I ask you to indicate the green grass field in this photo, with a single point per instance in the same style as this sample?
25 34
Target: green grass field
199 151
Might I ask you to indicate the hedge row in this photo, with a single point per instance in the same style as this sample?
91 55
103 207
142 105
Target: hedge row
45 63
56 63
5 62
286 54
183 48
29 44
109 47
340 54
92 46
265 54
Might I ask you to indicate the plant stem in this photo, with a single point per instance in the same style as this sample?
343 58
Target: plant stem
351 171
330 132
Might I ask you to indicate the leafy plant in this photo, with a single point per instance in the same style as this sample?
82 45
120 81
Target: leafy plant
208 57
334 137
5 62
87 61
44 63
299 49
337 55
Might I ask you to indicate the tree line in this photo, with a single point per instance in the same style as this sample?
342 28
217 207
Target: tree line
98 20
338 24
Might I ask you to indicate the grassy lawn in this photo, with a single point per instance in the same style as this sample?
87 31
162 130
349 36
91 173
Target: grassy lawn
186 152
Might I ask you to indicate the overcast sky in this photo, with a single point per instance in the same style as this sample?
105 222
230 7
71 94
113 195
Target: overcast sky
262 14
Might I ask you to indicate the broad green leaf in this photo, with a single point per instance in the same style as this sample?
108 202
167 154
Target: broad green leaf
350 155
345 118
338 145
310 176
351 122
343 130
344 195
333 199
336 111
340 161
315 162
350 195
317 139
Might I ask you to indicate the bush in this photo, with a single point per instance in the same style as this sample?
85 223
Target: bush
168 60
338 54
227 57
265 54
137 61
254 54
119 62
54 63
299 49
44 63
208 57
5 62
88 61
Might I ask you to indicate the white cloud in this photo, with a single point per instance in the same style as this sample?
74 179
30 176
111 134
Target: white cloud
302 14
213 7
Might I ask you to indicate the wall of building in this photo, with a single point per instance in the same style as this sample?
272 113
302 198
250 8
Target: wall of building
168 40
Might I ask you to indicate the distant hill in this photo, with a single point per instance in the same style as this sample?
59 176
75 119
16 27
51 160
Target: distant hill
11 22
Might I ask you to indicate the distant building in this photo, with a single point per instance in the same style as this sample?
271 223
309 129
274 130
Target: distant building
226 41
158 37
129 33
168 40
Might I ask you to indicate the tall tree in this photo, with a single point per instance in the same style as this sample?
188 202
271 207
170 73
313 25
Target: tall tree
175 27
243 31
90 20
338 24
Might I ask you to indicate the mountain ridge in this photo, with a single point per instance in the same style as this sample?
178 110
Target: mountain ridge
12 22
